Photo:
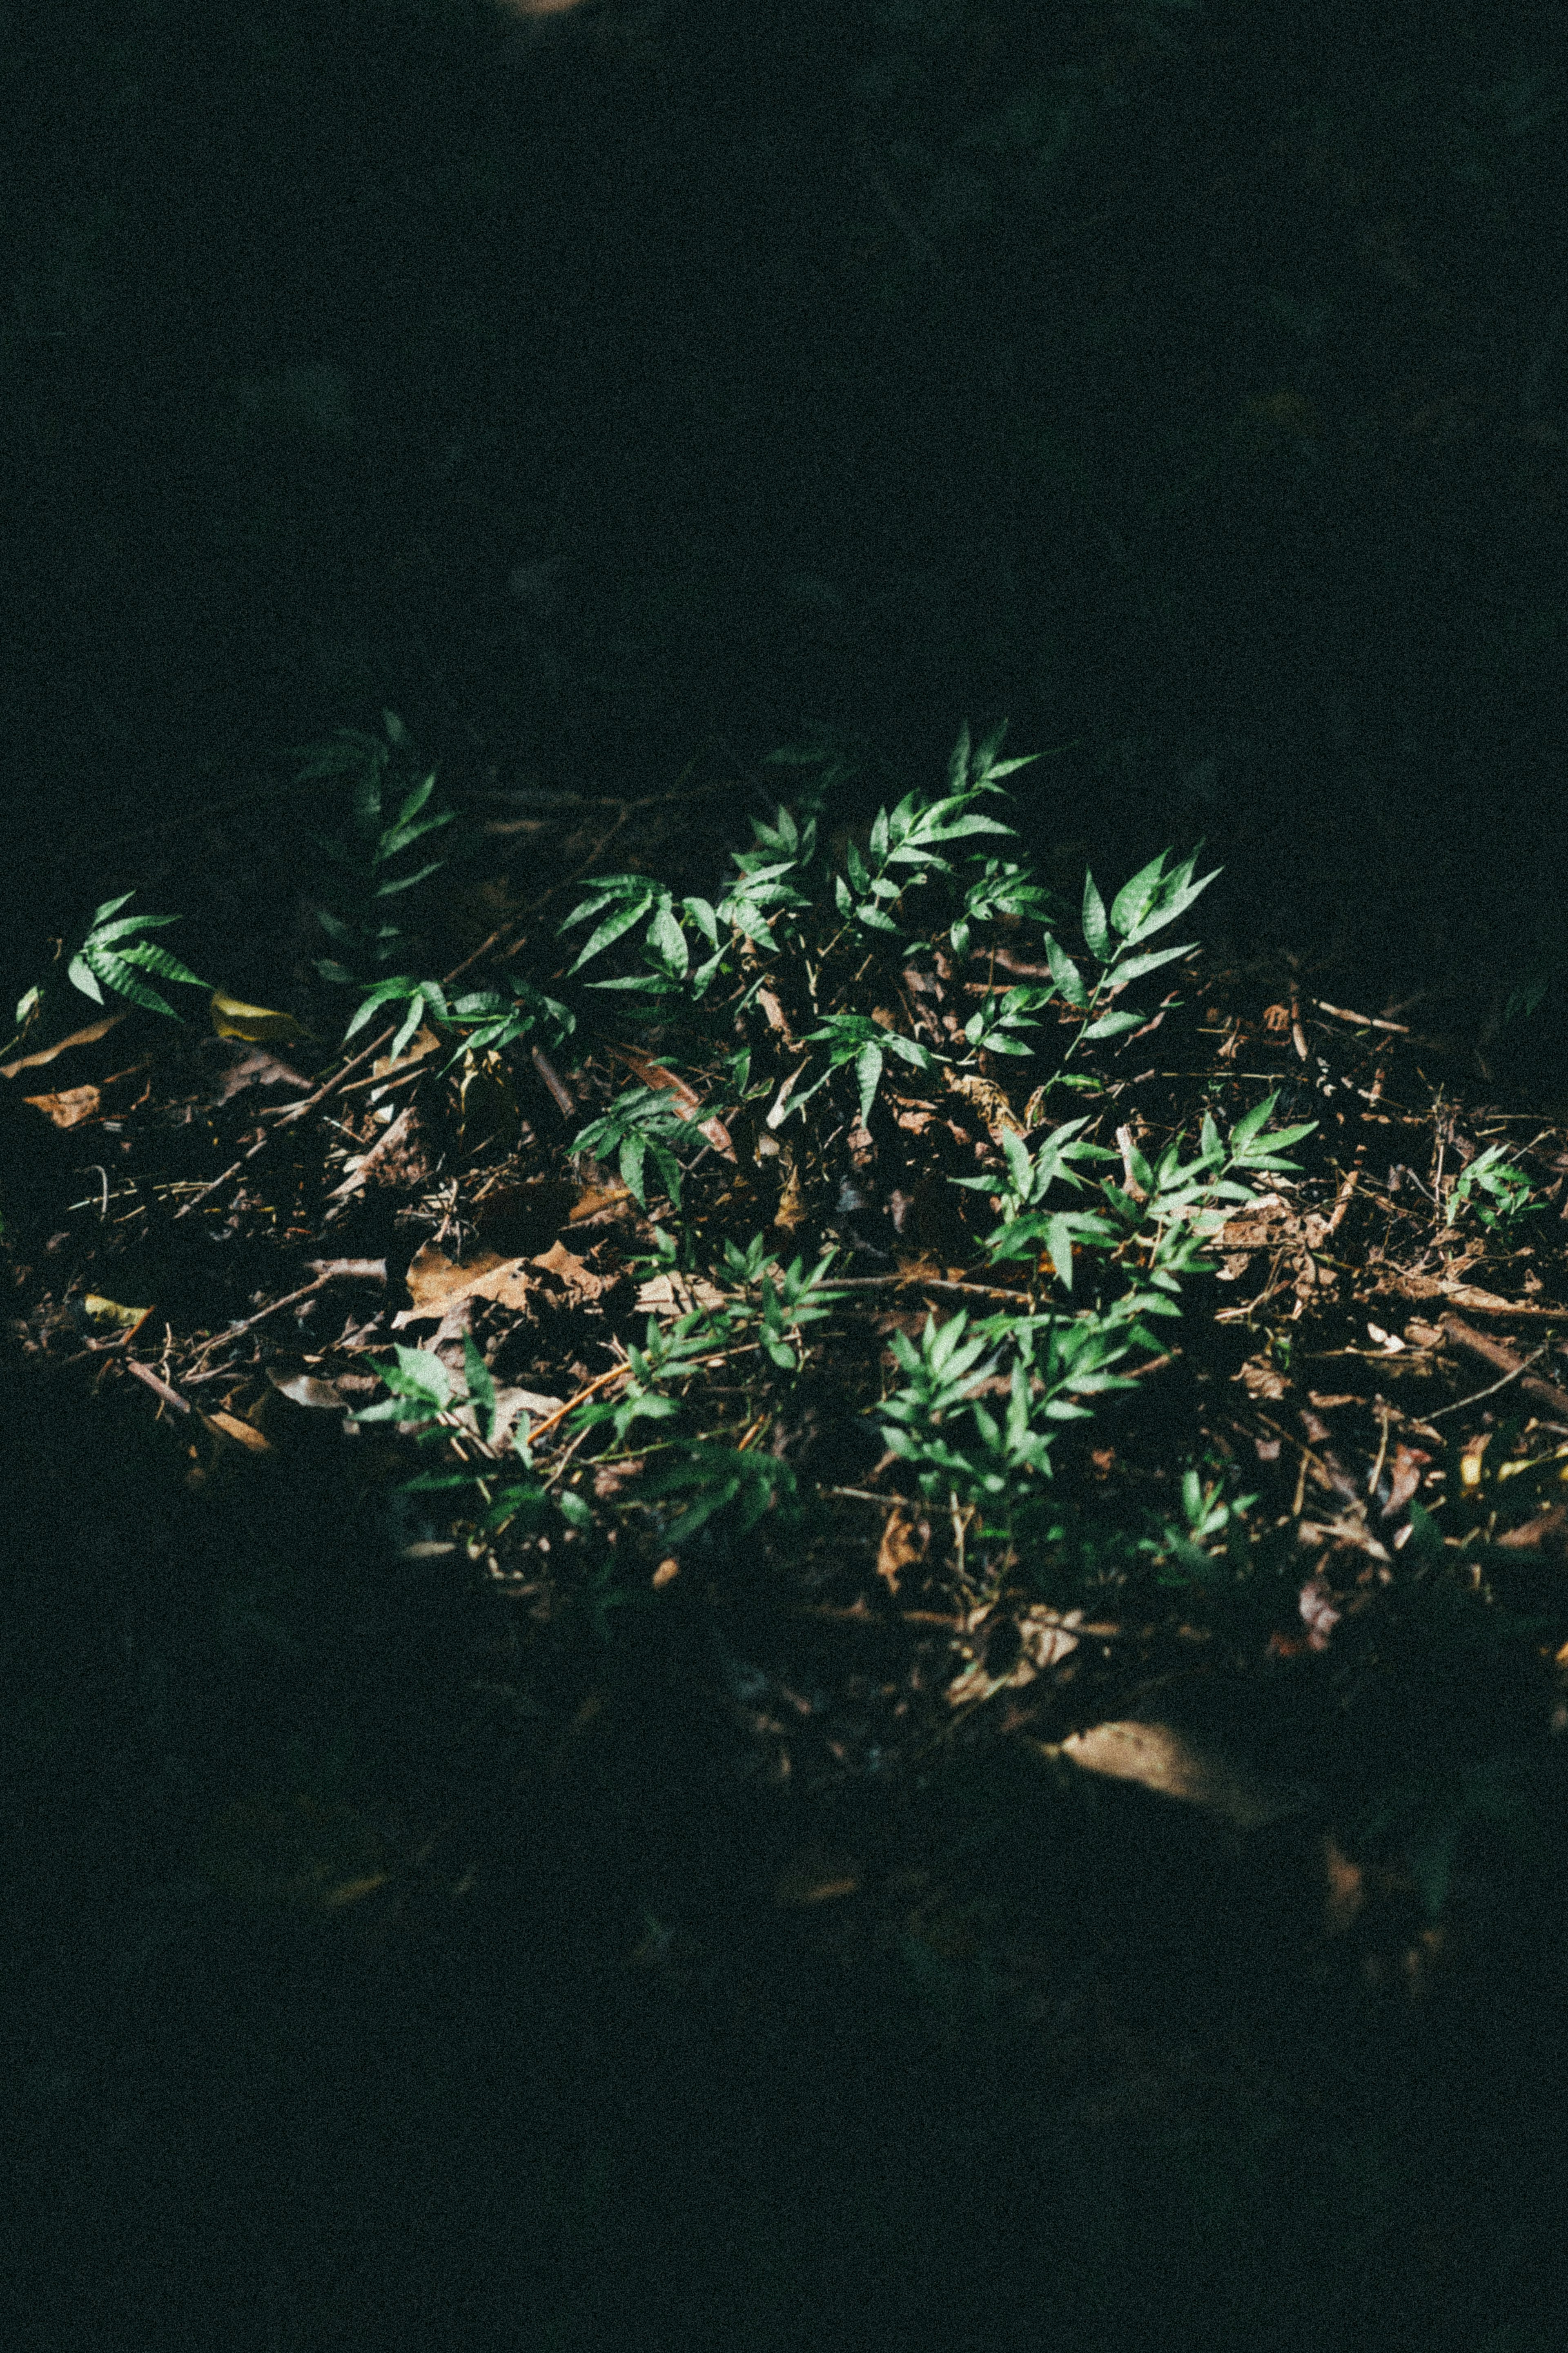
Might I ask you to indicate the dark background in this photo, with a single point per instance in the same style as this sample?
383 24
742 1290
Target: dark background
1182 379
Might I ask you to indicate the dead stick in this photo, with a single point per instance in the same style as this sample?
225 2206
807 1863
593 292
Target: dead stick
1505 1360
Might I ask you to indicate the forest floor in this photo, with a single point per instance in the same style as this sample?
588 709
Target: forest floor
786 1934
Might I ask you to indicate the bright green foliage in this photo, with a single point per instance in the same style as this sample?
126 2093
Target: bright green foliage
1505 1187
787 990
640 1125
113 956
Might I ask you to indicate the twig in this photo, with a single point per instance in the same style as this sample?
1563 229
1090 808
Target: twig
1361 1020
159 1387
1459 1403
1512 1368
927 1282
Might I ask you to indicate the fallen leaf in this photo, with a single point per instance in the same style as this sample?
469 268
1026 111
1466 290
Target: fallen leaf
1403 1477
424 1042
88 1036
304 1389
1318 1613
1261 1379
791 1210
243 1433
69 1108
257 1069
905 1536
1048 1639
433 1277
106 1316
577 1278
257 1024
987 1099
1172 1766
397 1157
654 1074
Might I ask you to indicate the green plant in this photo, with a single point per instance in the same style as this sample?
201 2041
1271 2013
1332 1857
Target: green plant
1506 1186
824 993
111 956
368 856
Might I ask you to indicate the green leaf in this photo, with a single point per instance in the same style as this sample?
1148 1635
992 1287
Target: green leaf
1247 1127
159 960
668 941
124 981
1113 1025
1134 899
1066 973
1136 967
1095 930
612 927
869 1075
633 1152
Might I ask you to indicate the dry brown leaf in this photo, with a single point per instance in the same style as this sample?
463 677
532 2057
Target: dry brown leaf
576 1277
257 1069
88 1036
398 1158
67 1109
905 1536
987 1099
1261 1379
422 1042
790 1211
1403 1476
654 1074
433 1279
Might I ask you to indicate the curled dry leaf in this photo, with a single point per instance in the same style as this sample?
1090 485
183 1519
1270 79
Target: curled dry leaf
400 1158
88 1036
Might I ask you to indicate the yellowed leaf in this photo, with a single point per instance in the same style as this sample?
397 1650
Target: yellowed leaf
244 1433
107 1315
257 1025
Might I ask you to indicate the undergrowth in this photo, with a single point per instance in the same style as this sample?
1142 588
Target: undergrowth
869 1040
